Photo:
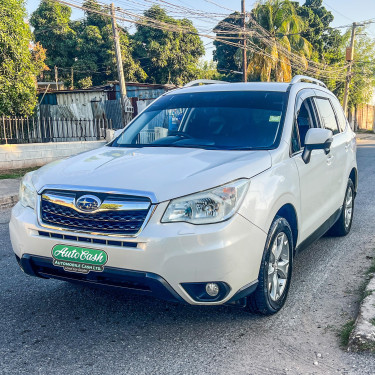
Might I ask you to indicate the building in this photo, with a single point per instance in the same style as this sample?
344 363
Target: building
99 102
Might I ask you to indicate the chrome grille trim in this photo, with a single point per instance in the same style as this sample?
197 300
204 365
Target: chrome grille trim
65 197
107 205
137 193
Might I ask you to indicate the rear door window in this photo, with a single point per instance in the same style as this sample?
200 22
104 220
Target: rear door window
327 115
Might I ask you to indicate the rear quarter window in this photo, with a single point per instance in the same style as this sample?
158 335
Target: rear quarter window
327 115
341 118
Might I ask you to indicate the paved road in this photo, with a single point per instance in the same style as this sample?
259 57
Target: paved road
52 327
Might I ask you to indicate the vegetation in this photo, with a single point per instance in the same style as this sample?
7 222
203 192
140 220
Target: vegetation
15 173
304 30
345 332
285 38
284 25
167 56
229 56
84 47
18 64
53 29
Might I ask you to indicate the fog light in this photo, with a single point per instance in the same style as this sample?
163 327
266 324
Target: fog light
212 289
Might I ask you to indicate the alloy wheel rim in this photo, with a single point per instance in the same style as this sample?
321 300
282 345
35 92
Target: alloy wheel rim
348 207
278 266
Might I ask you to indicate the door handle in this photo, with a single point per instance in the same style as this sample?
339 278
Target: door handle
330 159
347 145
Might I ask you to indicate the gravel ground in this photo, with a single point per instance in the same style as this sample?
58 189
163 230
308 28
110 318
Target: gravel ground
52 327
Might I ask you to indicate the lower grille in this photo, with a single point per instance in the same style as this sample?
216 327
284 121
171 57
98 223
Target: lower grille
58 209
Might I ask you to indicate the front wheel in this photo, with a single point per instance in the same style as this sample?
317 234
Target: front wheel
344 223
275 271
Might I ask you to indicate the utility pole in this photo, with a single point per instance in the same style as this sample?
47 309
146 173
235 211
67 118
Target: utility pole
349 58
244 62
56 78
120 70
71 78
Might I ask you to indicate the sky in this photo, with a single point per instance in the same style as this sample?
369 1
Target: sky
344 11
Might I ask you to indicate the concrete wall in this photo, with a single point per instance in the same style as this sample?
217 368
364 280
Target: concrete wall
37 154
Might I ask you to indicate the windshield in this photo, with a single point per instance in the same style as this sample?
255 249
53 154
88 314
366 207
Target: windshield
215 120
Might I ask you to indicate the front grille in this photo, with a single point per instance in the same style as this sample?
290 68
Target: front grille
58 210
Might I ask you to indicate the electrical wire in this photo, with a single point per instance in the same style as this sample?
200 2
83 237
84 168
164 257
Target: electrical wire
229 34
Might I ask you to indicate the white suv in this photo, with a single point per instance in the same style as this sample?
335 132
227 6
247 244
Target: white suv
205 198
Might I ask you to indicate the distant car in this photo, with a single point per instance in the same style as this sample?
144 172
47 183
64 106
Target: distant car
205 198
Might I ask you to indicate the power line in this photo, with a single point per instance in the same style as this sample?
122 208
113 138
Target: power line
295 61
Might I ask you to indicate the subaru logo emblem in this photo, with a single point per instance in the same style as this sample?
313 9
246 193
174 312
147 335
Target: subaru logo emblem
88 203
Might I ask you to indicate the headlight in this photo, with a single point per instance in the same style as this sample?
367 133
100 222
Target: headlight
27 194
209 206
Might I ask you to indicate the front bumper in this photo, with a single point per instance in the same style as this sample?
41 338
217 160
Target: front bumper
159 260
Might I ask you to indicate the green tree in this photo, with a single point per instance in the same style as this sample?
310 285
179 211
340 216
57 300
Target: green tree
86 45
208 70
52 28
363 78
284 26
95 48
167 56
317 20
18 65
85 83
227 56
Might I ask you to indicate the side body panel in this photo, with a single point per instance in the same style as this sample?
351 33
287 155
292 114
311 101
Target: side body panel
272 189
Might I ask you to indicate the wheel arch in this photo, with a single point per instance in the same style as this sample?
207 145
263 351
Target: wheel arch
354 177
288 212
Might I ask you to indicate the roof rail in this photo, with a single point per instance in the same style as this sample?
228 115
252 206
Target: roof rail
300 78
197 82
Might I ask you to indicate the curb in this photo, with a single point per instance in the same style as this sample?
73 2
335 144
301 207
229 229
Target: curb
8 201
362 338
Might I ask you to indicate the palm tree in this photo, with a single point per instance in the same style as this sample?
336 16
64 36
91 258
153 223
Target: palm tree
277 37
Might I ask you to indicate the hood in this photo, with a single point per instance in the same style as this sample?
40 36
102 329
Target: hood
166 172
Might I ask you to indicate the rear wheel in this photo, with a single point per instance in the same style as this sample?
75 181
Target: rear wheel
344 223
275 271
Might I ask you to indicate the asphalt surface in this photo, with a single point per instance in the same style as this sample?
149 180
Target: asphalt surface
52 327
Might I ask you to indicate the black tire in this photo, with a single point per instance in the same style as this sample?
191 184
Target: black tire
260 301
341 228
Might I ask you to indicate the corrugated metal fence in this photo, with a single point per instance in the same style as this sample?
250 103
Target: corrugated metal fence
37 130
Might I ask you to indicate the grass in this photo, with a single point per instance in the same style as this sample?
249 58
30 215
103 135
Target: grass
345 332
348 327
15 173
372 267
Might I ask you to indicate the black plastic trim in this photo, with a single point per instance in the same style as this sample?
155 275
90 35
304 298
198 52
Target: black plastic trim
197 291
137 281
320 231
240 297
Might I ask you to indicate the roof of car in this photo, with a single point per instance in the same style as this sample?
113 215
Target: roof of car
240 86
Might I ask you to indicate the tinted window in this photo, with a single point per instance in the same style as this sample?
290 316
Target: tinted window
217 120
340 114
295 139
327 115
305 120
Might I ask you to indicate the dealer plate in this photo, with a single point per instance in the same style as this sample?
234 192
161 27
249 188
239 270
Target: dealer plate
79 259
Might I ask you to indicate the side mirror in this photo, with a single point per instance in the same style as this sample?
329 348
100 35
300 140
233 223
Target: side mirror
316 139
